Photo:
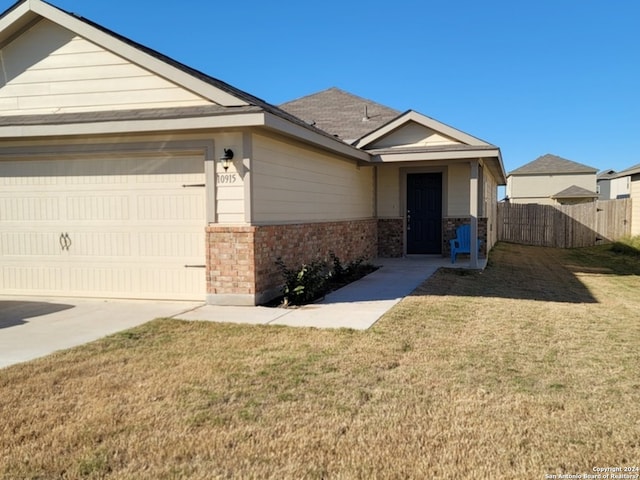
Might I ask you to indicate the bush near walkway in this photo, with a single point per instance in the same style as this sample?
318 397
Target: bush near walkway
526 369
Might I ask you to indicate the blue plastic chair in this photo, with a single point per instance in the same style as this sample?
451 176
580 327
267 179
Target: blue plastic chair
462 242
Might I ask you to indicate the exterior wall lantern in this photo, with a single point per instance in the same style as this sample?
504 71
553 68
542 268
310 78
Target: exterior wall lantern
225 160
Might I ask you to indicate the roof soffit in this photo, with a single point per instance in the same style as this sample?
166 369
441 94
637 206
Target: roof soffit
15 20
22 16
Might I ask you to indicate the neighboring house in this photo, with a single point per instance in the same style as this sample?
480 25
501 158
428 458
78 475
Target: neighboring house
626 184
552 180
124 173
613 185
634 193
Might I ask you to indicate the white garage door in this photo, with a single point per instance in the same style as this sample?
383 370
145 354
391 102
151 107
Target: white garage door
111 226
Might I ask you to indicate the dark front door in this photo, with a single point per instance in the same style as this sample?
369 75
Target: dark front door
424 213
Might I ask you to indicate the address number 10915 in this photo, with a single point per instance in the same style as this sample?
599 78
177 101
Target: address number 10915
226 178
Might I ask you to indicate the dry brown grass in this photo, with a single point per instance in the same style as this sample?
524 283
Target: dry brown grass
528 368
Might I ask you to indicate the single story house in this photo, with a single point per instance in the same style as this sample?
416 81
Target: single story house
552 180
126 174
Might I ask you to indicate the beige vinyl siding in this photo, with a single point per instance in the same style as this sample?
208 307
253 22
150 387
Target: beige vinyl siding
540 188
230 200
413 135
49 69
619 187
458 190
635 205
295 184
455 189
388 200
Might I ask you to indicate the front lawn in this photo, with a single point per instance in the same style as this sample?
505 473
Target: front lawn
526 369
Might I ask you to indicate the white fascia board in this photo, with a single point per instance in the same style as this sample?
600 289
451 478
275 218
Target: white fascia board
135 55
309 136
430 156
502 172
492 159
15 20
133 126
413 116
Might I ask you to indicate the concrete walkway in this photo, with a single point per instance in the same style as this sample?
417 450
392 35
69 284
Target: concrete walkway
32 327
358 305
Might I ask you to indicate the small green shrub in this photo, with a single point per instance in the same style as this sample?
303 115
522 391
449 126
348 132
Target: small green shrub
309 282
303 284
354 270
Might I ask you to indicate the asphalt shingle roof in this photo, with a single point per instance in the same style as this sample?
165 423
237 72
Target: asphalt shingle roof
628 171
552 164
340 113
116 115
575 192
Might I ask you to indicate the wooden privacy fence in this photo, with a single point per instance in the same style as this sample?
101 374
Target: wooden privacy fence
564 226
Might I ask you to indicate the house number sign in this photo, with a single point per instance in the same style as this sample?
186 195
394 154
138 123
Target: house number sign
226 178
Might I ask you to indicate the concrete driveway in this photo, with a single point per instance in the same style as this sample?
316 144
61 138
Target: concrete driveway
31 327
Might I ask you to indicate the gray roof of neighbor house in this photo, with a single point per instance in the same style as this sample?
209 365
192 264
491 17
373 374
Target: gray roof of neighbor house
341 113
606 175
552 164
635 169
575 192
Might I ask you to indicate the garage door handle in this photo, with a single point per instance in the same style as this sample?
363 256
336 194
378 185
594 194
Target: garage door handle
195 266
65 241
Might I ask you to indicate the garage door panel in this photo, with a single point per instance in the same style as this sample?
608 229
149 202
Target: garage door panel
186 245
175 282
157 282
30 244
29 209
96 208
184 206
101 244
104 226
18 279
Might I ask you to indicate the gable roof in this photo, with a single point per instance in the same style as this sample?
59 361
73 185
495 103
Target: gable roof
26 13
341 113
552 164
606 175
575 191
428 122
228 99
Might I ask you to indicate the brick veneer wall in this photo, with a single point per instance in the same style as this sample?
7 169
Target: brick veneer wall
230 260
241 259
390 237
449 225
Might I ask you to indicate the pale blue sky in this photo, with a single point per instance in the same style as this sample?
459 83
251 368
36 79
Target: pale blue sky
533 77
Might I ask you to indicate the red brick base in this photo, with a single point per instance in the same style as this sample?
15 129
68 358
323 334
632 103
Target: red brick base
390 237
449 233
241 266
